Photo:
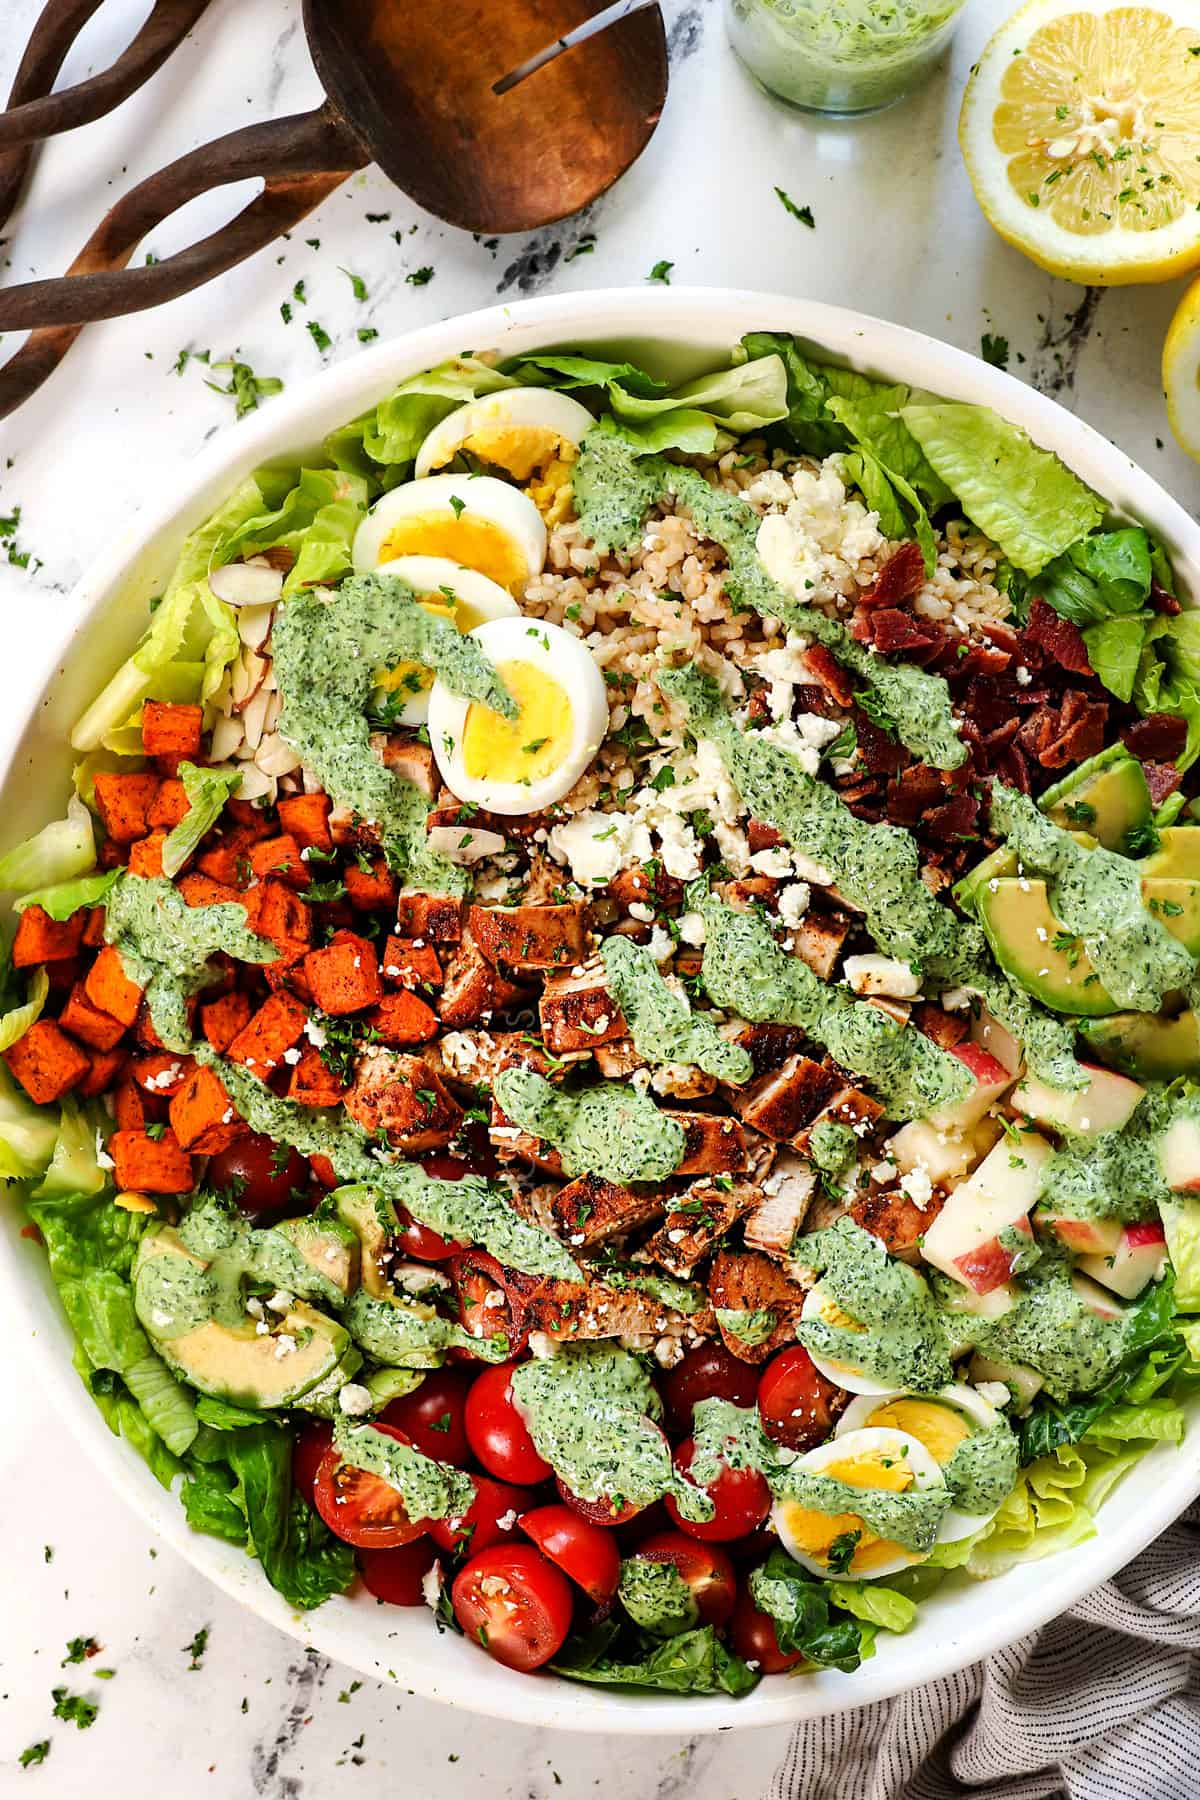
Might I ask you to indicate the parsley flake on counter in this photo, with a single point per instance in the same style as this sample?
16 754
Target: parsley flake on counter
36 1753
196 1648
74 1708
377 218
9 526
245 387
584 247
803 213
78 1648
661 272
420 277
319 335
994 350
366 333
357 284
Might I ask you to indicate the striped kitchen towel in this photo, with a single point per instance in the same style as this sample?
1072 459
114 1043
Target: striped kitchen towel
1101 1704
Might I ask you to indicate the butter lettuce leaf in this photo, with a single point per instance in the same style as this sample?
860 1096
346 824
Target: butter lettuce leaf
874 1603
1114 648
59 852
1022 497
1051 1508
749 396
207 791
381 445
1103 576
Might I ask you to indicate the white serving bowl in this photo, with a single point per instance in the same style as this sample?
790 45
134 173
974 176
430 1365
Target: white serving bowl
678 332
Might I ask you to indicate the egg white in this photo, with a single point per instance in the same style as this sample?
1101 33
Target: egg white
474 520
877 1441
961 1399
536 422
560 658
478 599
845 1375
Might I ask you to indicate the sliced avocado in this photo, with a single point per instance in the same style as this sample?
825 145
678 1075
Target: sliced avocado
176 1293
322 1400
1107 796
327 1245
391 1384
373 1221
220 1234
1144 1044
1030 944
1178 854
1176 906
997 866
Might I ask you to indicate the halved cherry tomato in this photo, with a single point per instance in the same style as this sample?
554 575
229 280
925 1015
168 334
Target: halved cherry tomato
515 1603
706 1373
432 1415
752 1636
396 1575
741 1497
260 1174
706 1569
486 1306
599 1512
496 1431
312 1441
581 1550
359 1507
489 1519
797 1405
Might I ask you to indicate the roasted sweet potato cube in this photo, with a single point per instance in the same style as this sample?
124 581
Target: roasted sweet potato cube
223 1018
434 918
88 1023
145 1031
249 816
203 1116
577 1012
170 805
344 977
161 1073
147 1165
93 929
306 818
171 729
411 963
402 1098
146 856
108 987
589 1210
712 1145
785 1100
531 937
227 855
371 889
274 912
312 1084
402 1019
46 1063
124 802
203 890
129 1106
41 939
275 1027
106 1065
280 856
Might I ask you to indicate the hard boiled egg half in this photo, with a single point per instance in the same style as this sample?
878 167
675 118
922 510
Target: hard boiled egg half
472 520
461 596
532 433
819 1304
878 1459
940 1422
525 764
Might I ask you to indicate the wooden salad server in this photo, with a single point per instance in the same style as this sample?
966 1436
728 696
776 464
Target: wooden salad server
413 88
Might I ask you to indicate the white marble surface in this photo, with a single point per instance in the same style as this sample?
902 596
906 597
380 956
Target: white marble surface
896 233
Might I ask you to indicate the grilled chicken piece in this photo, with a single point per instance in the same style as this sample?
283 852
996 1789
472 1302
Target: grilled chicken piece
577 1011
682 1081
698 1220
645 888
404 756
566 1310
946 1029
532 937
472 989
712 1145
746 1281
431 918
591 1209
511 1144
769 1045
898 1222
783 1102
751 890
618 1059
450 810
849 1106
403 1098
475 1058
818 939
786 1196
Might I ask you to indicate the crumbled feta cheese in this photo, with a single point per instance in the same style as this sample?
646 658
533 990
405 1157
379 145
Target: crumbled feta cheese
996 1393
431 1585
641 912
355 1399
793 902
815 873
291 1057
918 1186
314 1033
692 929
776 862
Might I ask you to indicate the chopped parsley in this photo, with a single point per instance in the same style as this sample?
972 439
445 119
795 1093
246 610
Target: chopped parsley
994 350
803 213
661 272
357 284
36 1753
74 1708
420 277
245 387
196 1648
319 335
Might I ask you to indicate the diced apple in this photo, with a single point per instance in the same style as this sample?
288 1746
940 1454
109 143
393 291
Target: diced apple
1087 1237
961 1306
1179 1155
1139 1258
964 1240
1022 1382
1107 1102
989 1080
1097 1299
997 1040
944 1155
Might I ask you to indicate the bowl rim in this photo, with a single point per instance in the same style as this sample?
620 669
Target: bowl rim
701 319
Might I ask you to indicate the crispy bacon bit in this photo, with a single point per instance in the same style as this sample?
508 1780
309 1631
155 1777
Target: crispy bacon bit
1059 642
1159 737
901 577
918 790
898 633
1161 601
829 674
881 754
1056 736
958 818
1162 779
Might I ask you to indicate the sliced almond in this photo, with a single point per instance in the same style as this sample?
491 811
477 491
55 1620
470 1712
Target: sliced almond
247 583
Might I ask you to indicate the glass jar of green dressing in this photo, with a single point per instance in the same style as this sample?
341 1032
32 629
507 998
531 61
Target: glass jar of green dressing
840 56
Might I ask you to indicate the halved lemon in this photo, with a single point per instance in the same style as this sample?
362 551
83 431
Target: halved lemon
1080 128
1181 371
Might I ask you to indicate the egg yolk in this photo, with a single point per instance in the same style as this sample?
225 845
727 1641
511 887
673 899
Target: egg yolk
815 1532
522 450
939 1428
469 539
413 677
830 1313
524 749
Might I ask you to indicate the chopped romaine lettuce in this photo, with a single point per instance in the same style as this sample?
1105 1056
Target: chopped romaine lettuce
27 1132
17 1015
207 791
63 898
58 852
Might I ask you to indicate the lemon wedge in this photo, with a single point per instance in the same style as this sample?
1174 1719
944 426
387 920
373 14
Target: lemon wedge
1081 135
1181 371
